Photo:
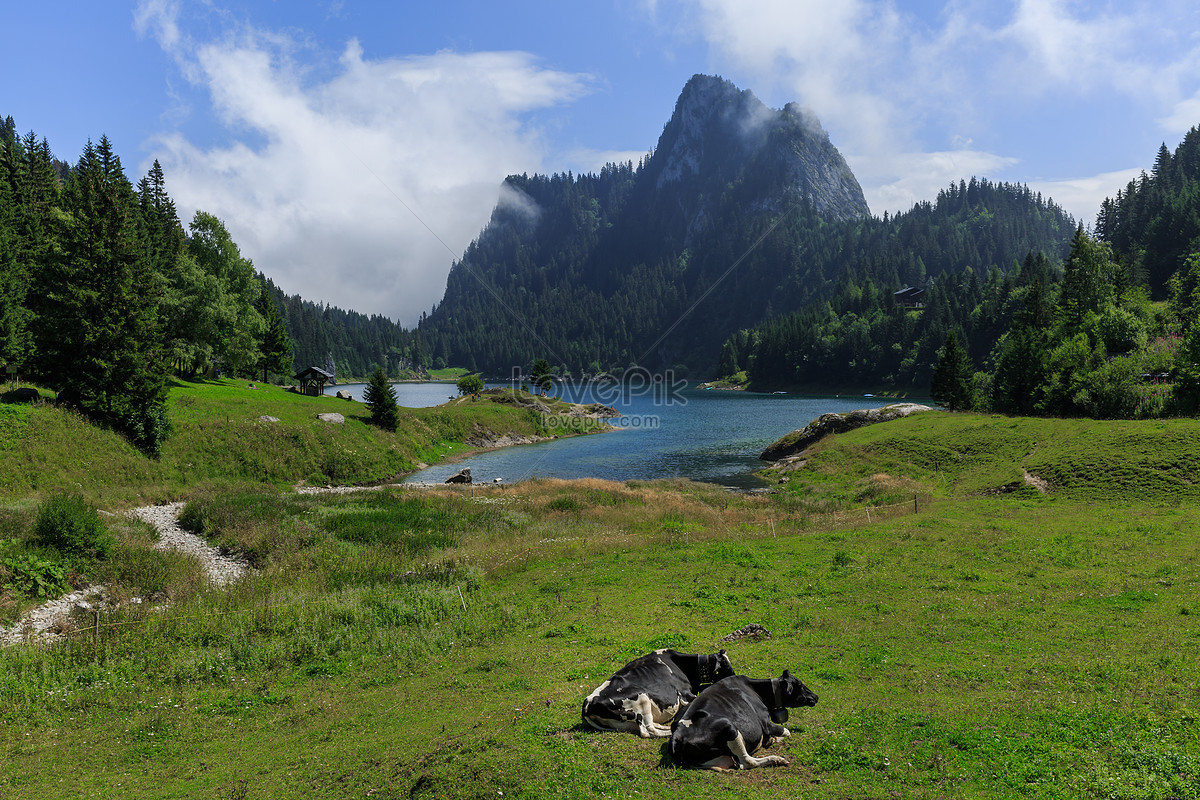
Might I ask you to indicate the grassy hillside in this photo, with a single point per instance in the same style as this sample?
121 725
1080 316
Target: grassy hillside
439 643
219 440
1112 462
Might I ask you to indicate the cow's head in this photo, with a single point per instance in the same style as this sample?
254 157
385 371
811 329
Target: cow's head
713 668
790 693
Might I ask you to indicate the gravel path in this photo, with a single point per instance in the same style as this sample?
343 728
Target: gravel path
49 622
220 569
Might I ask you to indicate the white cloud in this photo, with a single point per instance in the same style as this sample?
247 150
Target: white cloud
1058 46
904 88
1182 117
357 187
898 181
1081 197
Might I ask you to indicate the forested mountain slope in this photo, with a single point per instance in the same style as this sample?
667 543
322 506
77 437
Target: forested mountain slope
742 213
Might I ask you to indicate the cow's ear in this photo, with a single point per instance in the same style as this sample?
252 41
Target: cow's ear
786 674
722 652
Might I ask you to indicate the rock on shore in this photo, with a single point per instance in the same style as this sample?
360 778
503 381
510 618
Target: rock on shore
798 441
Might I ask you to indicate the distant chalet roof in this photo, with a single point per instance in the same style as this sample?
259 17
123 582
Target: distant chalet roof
313 373
910 297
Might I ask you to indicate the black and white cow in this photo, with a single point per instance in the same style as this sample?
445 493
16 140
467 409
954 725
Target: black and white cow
643 696
733 718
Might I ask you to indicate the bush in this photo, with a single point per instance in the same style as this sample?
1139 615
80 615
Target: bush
68 524
1120 330
146 425
469 384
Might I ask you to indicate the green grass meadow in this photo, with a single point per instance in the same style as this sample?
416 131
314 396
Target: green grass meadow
999 642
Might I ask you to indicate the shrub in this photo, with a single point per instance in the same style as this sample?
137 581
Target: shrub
68 524
469 384
1120 330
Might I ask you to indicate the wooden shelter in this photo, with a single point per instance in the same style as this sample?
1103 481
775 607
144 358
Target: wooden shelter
910 297
313 380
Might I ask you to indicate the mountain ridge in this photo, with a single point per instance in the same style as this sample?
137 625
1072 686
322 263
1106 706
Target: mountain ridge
739 213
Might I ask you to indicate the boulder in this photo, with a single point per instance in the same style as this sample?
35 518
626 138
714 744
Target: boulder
797 441
25 394
344 394
462 476
332 418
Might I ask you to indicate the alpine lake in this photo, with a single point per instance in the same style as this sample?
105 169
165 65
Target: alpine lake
683 431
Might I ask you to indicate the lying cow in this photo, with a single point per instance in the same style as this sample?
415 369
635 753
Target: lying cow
733 718
643 696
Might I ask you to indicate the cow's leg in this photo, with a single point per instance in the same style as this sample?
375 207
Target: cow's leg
721 764
737 747
610 724
643 709
775 733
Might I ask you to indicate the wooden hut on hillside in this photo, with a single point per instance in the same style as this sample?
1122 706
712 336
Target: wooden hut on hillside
313 380
910 297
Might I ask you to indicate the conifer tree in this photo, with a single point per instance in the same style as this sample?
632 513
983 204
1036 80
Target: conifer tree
952 384
1089 279
275 345
380 397
98 336
14 317
540 375
28 192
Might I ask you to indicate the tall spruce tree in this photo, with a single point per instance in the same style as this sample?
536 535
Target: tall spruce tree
275 345
14 277
28 192
98 337
952 384
540 376
381 400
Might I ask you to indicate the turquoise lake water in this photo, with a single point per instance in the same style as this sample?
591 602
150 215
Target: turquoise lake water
706 435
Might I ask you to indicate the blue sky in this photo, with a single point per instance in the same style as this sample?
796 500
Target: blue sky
352 147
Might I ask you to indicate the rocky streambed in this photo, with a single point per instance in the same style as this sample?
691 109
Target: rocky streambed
51 621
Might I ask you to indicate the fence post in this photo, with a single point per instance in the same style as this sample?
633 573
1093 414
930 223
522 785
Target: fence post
914 504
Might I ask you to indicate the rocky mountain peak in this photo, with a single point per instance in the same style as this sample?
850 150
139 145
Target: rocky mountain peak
719 132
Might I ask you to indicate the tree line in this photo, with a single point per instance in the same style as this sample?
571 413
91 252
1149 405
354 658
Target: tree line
1106 329
604 265
105 294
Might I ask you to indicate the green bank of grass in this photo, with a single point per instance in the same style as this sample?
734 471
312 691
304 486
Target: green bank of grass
398 643
220 441
954 455
448 374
